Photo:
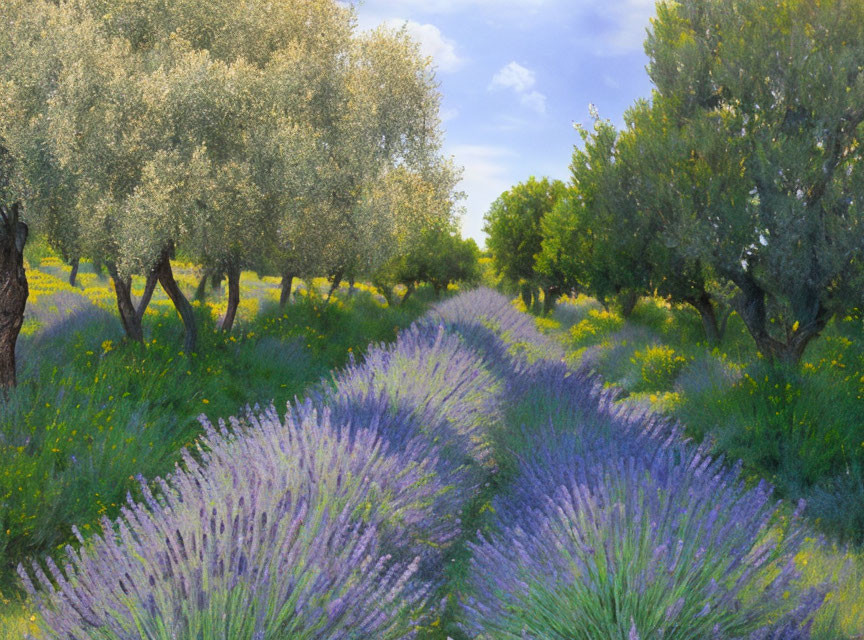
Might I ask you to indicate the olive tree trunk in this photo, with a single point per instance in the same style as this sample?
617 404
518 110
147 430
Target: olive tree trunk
550 297
129 317
285 290
526 294
13 291
233 297
201 290
628 301
713 326
409 289
337 280
751 306
73 274
386 291
149 288
184 309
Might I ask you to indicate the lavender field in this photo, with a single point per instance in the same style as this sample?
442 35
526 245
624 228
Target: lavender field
431 319
469 440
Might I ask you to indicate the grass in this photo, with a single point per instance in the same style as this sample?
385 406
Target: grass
92 411
799 428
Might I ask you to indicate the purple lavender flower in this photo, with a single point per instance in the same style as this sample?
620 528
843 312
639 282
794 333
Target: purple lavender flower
433 375
274 532
634 535
488 322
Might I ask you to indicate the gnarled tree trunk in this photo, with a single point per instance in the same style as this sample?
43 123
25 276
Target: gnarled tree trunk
149 287
285 291
184 309
201 290
129 317
409 289
526 294
13 291
550 296
628 300
714 328
387 292
73 274
233 297
751 306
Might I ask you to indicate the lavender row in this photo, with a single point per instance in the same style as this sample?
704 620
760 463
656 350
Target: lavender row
328 523
332 521
614 526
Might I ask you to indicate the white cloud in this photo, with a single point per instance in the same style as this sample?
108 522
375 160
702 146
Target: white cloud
521 80
433 43
535 101
608 28
611 82
513 76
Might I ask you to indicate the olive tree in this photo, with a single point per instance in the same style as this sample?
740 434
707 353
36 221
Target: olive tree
37 40
13 280
513 225
235 96
594 240
213 129
768 98
654 192
413 206
384 119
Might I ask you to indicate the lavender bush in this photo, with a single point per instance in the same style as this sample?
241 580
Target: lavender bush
637 547
421 493
489 323
616 527
274 533
444 383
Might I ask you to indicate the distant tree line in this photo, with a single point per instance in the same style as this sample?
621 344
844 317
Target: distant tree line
738 186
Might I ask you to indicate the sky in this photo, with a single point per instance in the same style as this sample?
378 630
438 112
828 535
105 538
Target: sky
515 75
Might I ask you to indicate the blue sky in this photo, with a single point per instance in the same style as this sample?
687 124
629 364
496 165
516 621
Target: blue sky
516 74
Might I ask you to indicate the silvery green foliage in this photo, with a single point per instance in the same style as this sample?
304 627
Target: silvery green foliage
249 134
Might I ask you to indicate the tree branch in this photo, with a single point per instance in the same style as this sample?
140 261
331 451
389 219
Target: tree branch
839 152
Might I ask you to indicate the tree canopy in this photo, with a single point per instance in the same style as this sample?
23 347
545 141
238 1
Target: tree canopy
254 135
513 225
742 174
767 98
